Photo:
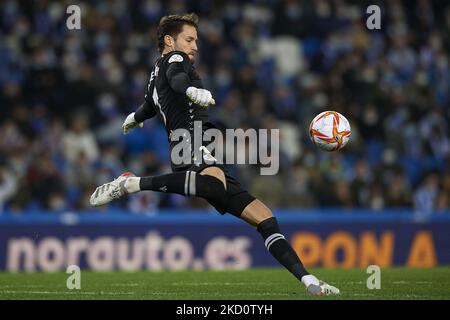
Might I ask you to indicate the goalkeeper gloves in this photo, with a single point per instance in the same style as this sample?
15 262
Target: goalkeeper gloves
202 97
130 123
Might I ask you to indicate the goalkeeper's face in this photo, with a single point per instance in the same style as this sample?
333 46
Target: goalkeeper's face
186 41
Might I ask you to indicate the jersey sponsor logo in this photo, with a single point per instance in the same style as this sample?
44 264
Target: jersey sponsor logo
175 58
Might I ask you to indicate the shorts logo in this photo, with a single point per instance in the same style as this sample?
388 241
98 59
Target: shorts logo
175 58
207 156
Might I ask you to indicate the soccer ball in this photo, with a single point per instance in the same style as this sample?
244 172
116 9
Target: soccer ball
330 131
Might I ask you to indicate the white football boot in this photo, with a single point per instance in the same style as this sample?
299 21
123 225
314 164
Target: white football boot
110 191
323 289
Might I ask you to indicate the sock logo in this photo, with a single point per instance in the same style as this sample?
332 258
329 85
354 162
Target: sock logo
163 188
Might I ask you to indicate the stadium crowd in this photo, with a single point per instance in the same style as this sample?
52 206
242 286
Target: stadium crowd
269 64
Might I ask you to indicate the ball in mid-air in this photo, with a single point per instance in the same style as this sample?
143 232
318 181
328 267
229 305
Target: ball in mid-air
330 131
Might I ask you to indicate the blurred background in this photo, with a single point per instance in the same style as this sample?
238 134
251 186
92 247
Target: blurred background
270 64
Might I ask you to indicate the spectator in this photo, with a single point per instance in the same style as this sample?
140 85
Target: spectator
426 196
79 140
269 64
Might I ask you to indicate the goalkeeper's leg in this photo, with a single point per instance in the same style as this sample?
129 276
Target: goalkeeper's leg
257 214
211 184
187 183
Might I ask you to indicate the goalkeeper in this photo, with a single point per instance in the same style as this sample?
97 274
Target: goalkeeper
175 94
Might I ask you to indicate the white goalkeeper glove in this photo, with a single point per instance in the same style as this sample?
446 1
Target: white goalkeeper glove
202 97
130 123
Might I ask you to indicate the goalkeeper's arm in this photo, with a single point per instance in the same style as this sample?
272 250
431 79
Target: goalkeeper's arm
180 82
144 112
137 118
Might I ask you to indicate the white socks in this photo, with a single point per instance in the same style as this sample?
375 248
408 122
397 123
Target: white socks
132 184
309 280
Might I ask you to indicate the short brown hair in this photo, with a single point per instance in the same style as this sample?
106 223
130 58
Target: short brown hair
172 26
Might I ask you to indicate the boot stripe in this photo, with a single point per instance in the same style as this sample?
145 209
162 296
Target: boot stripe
96 192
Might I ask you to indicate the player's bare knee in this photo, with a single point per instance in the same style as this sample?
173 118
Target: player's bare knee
256 212
263 216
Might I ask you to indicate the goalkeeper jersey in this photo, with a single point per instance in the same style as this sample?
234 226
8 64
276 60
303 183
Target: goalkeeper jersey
166 92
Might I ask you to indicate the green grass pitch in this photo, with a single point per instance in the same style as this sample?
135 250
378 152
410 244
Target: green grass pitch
255 284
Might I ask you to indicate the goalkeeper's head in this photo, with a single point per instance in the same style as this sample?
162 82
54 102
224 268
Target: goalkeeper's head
178 32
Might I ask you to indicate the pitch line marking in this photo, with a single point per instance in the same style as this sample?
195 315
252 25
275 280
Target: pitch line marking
67 293
125 284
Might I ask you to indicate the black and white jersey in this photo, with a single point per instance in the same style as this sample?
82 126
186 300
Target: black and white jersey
174 108
171 75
